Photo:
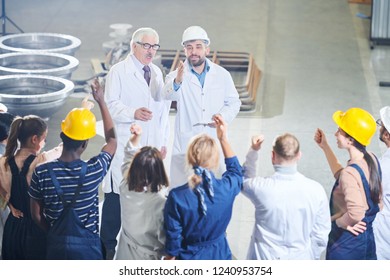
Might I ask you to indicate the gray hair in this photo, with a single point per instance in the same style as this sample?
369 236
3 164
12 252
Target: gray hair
140 33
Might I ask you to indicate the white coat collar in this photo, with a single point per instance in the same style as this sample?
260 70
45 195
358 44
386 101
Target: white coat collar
132 69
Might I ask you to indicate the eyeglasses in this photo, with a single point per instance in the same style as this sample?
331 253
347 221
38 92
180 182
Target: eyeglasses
148 46
379 122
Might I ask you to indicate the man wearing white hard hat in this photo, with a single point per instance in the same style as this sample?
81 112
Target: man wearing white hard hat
382 221
202 89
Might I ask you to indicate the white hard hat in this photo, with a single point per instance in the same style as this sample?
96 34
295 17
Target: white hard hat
195 33
385 117
3 108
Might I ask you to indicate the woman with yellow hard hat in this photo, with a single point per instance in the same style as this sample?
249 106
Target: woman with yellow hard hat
356 194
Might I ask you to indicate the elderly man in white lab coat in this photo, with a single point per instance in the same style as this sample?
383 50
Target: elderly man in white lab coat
133 94
201 89
292 218
381 223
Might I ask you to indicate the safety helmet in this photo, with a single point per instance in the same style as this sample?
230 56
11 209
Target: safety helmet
357 123
195 33
385 117
79 124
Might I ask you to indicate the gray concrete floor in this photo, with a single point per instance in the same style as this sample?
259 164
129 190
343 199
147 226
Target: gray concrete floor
315 57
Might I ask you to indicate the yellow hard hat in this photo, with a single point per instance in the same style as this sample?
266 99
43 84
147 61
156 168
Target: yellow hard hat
79 124
358 123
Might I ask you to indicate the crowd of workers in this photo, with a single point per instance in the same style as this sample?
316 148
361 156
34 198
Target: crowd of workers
50 204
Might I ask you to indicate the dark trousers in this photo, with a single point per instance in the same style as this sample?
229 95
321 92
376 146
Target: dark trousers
111 221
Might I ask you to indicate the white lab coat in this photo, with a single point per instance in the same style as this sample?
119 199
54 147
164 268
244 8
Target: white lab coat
198 105
381 223
292 214
126 91
142 236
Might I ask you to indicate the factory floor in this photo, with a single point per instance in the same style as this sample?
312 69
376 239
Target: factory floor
314 55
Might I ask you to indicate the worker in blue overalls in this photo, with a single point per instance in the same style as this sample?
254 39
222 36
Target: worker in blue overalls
64 192
356 196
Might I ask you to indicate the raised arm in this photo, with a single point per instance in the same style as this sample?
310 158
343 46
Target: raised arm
252 156
109 131
131 148
221 127
173 83
320 139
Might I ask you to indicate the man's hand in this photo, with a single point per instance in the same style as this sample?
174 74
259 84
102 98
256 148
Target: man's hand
180 73
143 114
257 141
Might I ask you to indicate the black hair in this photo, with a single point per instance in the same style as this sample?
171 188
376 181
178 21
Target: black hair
5 124
375 178
71 144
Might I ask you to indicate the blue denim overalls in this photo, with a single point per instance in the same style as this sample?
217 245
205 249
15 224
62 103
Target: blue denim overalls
68 239
342 244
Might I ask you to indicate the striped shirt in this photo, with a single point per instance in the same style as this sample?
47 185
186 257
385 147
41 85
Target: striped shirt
67 174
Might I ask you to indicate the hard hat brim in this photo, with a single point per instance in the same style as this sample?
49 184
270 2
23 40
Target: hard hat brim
337 116
206 42
385 117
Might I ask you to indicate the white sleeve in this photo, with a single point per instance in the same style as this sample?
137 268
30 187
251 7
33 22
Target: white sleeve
321 228
250 179
250 163
169 92
130 152
52 154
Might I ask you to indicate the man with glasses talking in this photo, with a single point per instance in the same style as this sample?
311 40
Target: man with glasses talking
133 94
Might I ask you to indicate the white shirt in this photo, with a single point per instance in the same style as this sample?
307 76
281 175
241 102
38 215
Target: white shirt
197 104
126 91
292 214
381 223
